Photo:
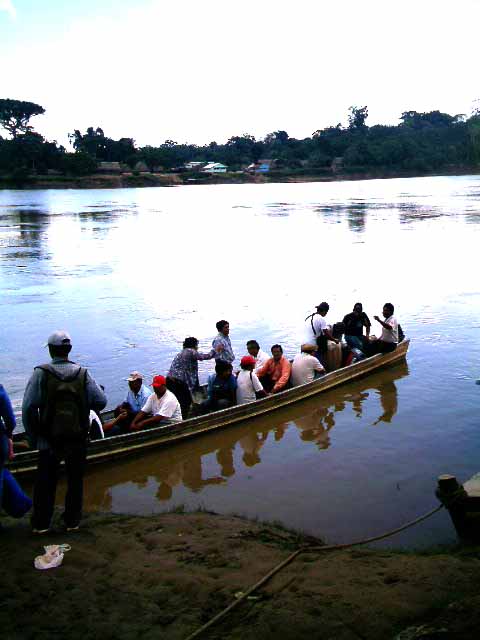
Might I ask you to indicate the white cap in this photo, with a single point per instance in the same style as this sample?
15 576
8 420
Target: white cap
59 338
135 375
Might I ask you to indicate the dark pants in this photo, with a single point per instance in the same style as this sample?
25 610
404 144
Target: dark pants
267 382
48 469
182 393
379 346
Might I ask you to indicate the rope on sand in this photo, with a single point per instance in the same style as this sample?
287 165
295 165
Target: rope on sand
292 557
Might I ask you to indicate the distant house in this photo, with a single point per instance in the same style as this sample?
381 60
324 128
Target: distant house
214 167
262 166
194 166
109 167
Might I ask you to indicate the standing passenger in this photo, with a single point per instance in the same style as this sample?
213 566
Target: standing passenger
55 412
221 344
317 330
260 356
182 378
275 373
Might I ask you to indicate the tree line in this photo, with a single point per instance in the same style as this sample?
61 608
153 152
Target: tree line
420 143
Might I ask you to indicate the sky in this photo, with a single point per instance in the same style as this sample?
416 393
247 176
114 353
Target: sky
194 71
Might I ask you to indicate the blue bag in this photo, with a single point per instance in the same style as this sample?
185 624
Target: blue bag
15 503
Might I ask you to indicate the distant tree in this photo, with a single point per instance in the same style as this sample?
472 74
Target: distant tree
357 118
78 164
15 115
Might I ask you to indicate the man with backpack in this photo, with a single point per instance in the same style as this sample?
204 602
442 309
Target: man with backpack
55 414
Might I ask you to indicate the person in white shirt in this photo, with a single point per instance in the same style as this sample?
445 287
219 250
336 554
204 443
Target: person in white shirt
389 339
260 356
162 405
305 365
317 331
248 384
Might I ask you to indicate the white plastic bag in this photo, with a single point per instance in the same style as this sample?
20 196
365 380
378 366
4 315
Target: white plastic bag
52 557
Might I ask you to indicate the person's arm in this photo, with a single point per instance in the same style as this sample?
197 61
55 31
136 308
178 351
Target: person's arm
208 356
263 369
32 400
6 412
317 366
257 386
139 421
286 369
385 325
367 324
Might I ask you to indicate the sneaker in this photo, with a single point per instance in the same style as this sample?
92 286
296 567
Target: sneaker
40 532
70 529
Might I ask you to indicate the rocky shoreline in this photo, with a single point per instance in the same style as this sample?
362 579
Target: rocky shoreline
167 575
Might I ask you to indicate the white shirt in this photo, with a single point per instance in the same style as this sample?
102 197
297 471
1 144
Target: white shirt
303 368
390 336
166 406
261 358
246 386
319 325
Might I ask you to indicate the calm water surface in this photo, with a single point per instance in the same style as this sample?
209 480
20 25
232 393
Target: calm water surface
130 273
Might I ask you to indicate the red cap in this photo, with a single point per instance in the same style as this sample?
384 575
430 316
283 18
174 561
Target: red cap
159 381
246 360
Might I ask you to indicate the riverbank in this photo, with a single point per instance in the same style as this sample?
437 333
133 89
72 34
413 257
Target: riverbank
166 575
129 180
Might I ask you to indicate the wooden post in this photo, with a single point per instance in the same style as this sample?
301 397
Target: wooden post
462 505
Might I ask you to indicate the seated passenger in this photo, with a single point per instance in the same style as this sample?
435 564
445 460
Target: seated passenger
221 388
182 378
260 356
389 339
334 356
305 366
354 323
249 387
136 397
161 406
275 373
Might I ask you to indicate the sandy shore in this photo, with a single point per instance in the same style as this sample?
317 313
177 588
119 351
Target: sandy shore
165 576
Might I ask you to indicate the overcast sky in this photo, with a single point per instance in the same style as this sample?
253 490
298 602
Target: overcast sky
197 71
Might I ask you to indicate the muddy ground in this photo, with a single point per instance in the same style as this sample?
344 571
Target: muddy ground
164 576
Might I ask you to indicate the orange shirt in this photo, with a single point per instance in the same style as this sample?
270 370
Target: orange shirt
279 372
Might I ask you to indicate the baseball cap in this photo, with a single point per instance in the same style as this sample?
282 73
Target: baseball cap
135 375
58 338
159 381
246 360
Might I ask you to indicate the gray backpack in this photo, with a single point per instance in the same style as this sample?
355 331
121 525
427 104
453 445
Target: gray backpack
65 414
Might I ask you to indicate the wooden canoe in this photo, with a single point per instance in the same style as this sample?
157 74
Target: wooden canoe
25 462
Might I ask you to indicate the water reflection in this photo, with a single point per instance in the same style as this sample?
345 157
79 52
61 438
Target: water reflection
237 450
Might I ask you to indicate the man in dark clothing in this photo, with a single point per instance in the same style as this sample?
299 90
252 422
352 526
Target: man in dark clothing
354 323
42 421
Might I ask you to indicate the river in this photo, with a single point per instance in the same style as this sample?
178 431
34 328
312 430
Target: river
132 272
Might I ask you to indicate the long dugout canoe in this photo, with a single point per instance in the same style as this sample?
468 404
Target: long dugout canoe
128 444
